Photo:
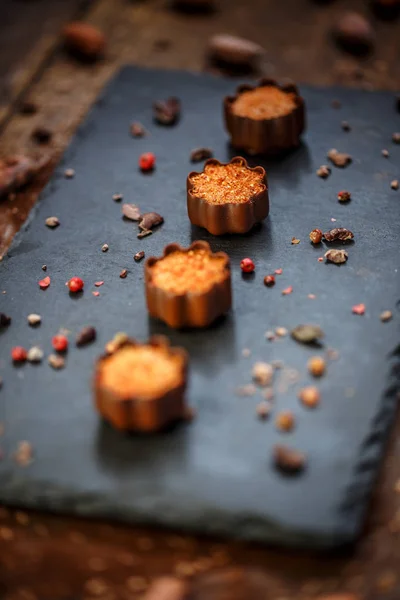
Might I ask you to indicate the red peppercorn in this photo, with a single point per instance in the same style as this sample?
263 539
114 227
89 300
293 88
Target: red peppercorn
19 354
75 284
269 280
247 265
60 343
147 161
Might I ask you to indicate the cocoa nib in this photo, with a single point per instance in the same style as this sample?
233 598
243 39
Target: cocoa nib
199 154
144 233
167 112
336 256
289 460
339 159
85 336
150 220
338 233
4 320
131 212
17 171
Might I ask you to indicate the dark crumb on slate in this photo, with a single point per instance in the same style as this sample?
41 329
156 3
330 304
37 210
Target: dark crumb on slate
385 153
139 256
344 196
167 112
105 248
346 126
123 273
5 320
69 173
394 184
324 171
137 130
289 460
339 159
396 138
117 197
199 154
144 233
44 267
86 336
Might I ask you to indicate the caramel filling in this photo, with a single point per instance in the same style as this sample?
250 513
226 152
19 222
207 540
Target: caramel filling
267 102
233 183
193 271
143 372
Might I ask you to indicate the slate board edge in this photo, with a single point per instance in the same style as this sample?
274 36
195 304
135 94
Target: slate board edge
352 509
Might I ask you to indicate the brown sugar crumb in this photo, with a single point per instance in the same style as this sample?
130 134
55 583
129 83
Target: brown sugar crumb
268 102
142 371
193 271
285 421
233 183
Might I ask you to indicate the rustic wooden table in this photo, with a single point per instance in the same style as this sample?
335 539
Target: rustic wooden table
52 557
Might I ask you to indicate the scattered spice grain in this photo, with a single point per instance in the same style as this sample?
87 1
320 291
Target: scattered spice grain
336 256
278 271
386 315
69 173
316 236
18 354
287 290
317 366
34 319
56 361
295 241
385 153
44 283
285 421
247 265
144 233
394 184
35 354
339 159
96 294
262 373
105 248
281 331
358 309
344 196
147 162
123 273
117 197
263 410
137 130
324 171
396 138
269 280
131 212
52 222
310 396
139 256
44 267
23 455
345 126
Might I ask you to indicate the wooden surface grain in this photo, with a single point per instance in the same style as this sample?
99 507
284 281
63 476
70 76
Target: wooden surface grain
52 557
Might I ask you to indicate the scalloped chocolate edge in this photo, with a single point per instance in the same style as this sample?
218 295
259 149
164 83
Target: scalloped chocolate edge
136 414
231 217
190 309
266 136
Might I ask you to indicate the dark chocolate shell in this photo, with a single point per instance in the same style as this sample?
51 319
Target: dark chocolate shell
265 136
230 217
138 414
190 309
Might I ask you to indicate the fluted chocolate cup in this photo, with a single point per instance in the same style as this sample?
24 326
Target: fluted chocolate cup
265 136
142 414
189 309
231 217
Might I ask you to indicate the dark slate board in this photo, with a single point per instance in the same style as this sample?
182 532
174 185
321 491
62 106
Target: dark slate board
214 475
